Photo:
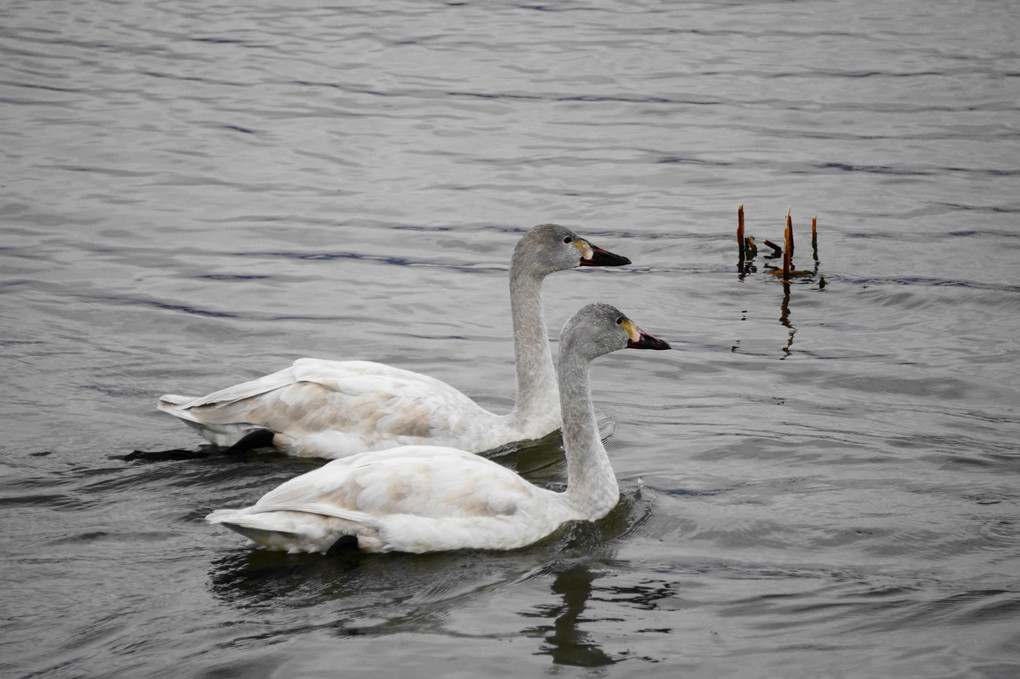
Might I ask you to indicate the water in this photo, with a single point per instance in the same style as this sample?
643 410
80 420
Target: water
817 481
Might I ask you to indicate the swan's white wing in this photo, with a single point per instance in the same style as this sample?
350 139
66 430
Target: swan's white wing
237 392
414 498
334 408
426 481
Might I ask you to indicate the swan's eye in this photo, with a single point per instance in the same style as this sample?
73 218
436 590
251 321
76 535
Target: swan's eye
568 239
619 321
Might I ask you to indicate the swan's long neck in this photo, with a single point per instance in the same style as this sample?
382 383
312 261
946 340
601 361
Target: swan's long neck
591 483
537 399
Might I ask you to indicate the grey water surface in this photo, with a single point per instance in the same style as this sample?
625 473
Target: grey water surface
820 480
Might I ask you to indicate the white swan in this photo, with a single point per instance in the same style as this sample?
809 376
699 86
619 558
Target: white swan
428 498
331 409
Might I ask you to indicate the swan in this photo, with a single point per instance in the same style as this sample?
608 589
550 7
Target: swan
430 498
332 409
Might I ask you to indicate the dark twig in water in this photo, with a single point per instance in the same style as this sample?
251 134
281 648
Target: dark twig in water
750 247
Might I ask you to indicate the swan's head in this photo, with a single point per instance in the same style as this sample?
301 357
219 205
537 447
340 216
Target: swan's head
551 247
598 329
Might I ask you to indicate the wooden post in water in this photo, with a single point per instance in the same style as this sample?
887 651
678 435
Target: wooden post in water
788 246
789 227
814 239
740 234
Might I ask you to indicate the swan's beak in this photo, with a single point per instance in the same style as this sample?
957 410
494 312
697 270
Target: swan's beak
639 339
594 256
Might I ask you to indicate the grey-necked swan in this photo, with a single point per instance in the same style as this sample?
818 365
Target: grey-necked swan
331 409
431 498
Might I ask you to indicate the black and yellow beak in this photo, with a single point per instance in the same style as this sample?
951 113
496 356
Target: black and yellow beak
595 256
639 339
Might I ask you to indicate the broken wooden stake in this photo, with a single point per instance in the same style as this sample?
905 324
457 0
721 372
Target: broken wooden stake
814 239
788 234
740 233
787 269
787 245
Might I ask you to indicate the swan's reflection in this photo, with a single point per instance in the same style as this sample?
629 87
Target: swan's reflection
566 643
260 578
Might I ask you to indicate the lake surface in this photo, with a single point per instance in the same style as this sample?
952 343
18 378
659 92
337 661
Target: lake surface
818 481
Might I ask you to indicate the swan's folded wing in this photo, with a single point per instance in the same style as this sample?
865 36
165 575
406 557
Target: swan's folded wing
378 381
374 400
238 392
424 481
326 372
345 377
319 508
364 398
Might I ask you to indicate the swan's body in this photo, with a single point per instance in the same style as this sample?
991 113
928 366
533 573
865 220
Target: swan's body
333 409
427 498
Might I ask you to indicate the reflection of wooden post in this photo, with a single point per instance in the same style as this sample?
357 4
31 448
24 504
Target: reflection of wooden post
740 232
788 249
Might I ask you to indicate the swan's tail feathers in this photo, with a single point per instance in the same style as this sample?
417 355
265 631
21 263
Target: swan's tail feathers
174 400
224 426
177 405
227 517
270 537
224 397
290 531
